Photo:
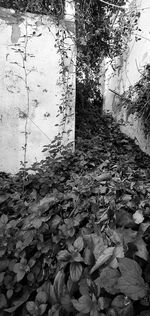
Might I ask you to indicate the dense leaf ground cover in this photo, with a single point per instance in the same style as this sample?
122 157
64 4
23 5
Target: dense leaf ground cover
75 236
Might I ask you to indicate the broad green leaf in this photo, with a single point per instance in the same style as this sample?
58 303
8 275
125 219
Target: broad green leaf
18 302
131 283
138 217
20 275
76 256
10 293
75 271
94 311
98 245
3 301
3 264
83 305
79 243
51 294
108 280
95 243
103 177
88 256
104 302
3 220
55 222
19 271
120 301
130 266
2 251
83 287
54 311
59 284
142 251
32 308
27 238
42 308
66 303
103 258
63 255
124 219
37 222
71 286
4 198
119 252
41 297
2 277
122 306
132 286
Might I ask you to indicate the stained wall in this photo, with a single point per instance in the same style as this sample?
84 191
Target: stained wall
33 85
129 67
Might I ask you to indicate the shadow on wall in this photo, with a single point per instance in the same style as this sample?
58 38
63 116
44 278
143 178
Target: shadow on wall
129 71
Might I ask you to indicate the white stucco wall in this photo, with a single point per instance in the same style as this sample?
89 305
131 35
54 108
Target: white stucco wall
131 63
31 88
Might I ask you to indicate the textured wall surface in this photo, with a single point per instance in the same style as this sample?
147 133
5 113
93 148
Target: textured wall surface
129 72
31 86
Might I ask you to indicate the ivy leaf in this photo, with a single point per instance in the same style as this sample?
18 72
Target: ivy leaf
103 258
83 305
75 271
131 283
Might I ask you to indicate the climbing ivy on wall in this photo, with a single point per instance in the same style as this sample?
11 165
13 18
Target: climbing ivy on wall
96 33
136 99
96 36
55 7
102 29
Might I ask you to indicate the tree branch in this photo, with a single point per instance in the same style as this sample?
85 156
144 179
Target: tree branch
112 5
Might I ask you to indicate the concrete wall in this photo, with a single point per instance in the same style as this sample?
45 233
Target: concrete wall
33 85
129 72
